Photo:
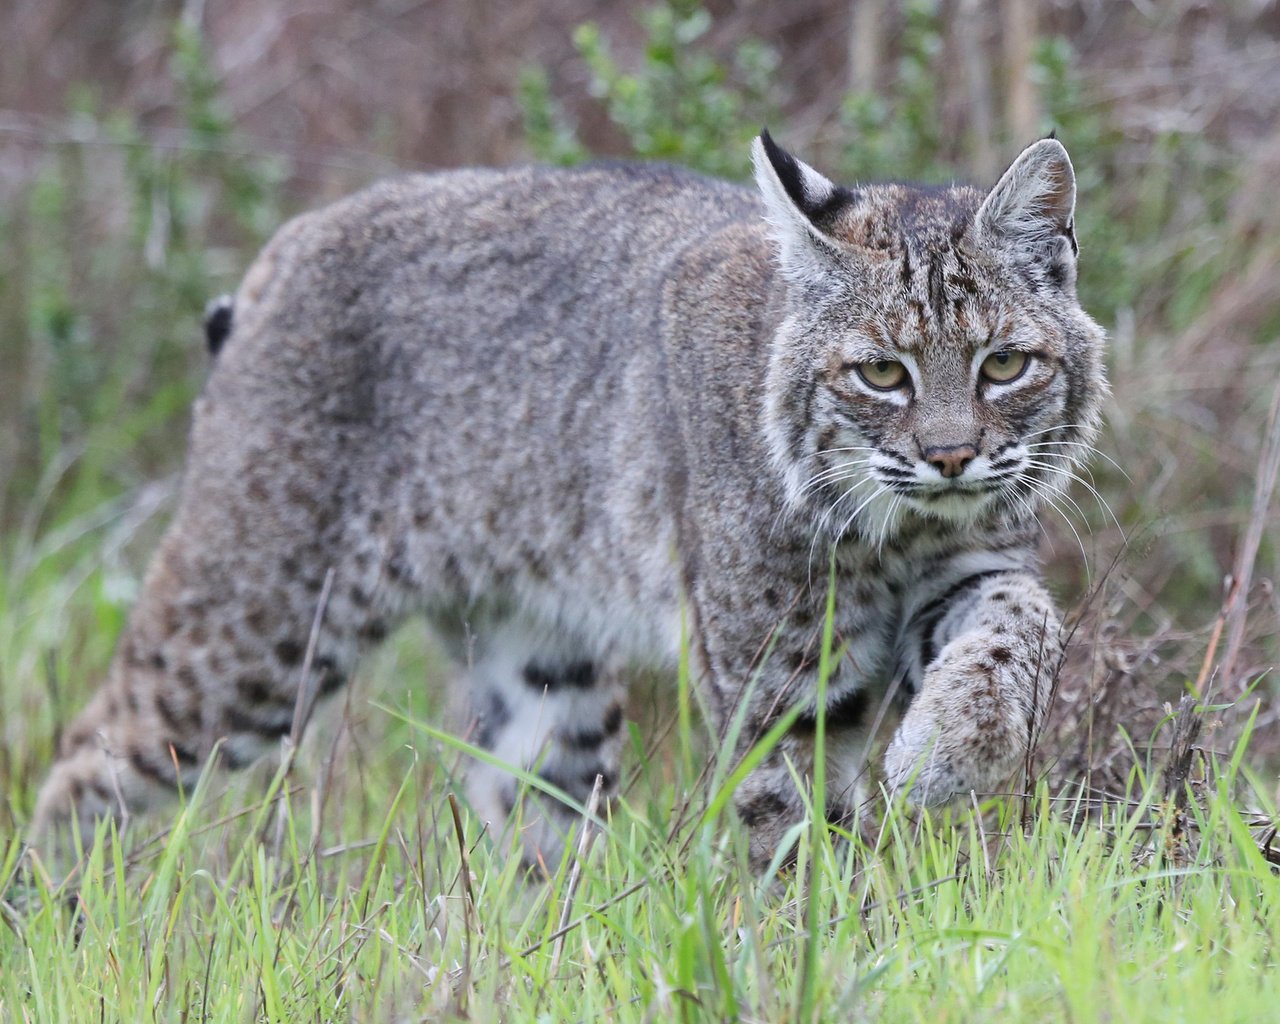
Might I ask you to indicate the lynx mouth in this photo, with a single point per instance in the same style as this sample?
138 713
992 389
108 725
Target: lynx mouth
953 500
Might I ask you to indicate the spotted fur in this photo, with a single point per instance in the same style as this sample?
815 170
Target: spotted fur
559 411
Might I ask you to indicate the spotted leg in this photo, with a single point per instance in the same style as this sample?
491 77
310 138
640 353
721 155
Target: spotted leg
988 677
542 706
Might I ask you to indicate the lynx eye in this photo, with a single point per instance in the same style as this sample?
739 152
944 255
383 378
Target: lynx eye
1004 366
883 375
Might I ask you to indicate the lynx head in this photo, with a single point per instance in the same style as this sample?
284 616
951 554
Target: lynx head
932 359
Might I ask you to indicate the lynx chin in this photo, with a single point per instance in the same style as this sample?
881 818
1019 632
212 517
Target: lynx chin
557 410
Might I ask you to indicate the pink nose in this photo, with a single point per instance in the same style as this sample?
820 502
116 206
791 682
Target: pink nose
951 461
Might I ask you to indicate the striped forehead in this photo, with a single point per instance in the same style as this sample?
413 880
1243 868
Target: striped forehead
886 218
941 297
928 288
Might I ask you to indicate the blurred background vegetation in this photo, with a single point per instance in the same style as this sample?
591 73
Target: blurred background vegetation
147 149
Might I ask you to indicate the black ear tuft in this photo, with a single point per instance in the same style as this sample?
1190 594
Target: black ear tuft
787 168
1053 133
815 197
804 210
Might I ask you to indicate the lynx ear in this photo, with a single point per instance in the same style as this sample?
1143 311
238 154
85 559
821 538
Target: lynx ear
800 205
1032 209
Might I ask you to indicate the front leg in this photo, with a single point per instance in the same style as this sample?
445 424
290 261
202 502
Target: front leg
781 682
983 694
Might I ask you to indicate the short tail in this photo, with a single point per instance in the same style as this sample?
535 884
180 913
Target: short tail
218 316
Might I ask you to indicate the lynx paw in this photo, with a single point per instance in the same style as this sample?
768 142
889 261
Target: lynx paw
966 730
915 768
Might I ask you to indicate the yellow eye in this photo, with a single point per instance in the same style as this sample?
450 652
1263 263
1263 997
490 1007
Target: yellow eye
1004 366
883 375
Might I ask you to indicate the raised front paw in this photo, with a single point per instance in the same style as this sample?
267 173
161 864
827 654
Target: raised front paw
966 730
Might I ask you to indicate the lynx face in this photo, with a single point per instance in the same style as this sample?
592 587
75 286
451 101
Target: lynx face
935 362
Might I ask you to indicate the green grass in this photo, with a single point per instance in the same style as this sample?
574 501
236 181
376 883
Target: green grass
344 890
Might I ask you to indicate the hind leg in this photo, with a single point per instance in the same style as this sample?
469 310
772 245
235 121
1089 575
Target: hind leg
214 651
542 705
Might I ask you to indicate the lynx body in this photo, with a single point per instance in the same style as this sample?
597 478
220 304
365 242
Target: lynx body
557 411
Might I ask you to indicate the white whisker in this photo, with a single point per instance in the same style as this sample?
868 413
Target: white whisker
850 448
1038 488
1087 447
1024 502
832 474
1056 426
821 531
1062 492
885 522
880 489
1083 483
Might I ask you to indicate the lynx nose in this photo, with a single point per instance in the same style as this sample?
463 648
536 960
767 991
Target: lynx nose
951 461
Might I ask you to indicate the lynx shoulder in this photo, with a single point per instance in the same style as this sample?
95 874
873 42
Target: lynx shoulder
556 411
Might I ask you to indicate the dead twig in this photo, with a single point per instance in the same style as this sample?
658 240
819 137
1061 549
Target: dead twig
1237 612
585 838
1187 724
303 705
468 904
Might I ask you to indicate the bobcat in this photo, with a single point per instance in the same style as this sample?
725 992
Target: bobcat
569 414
